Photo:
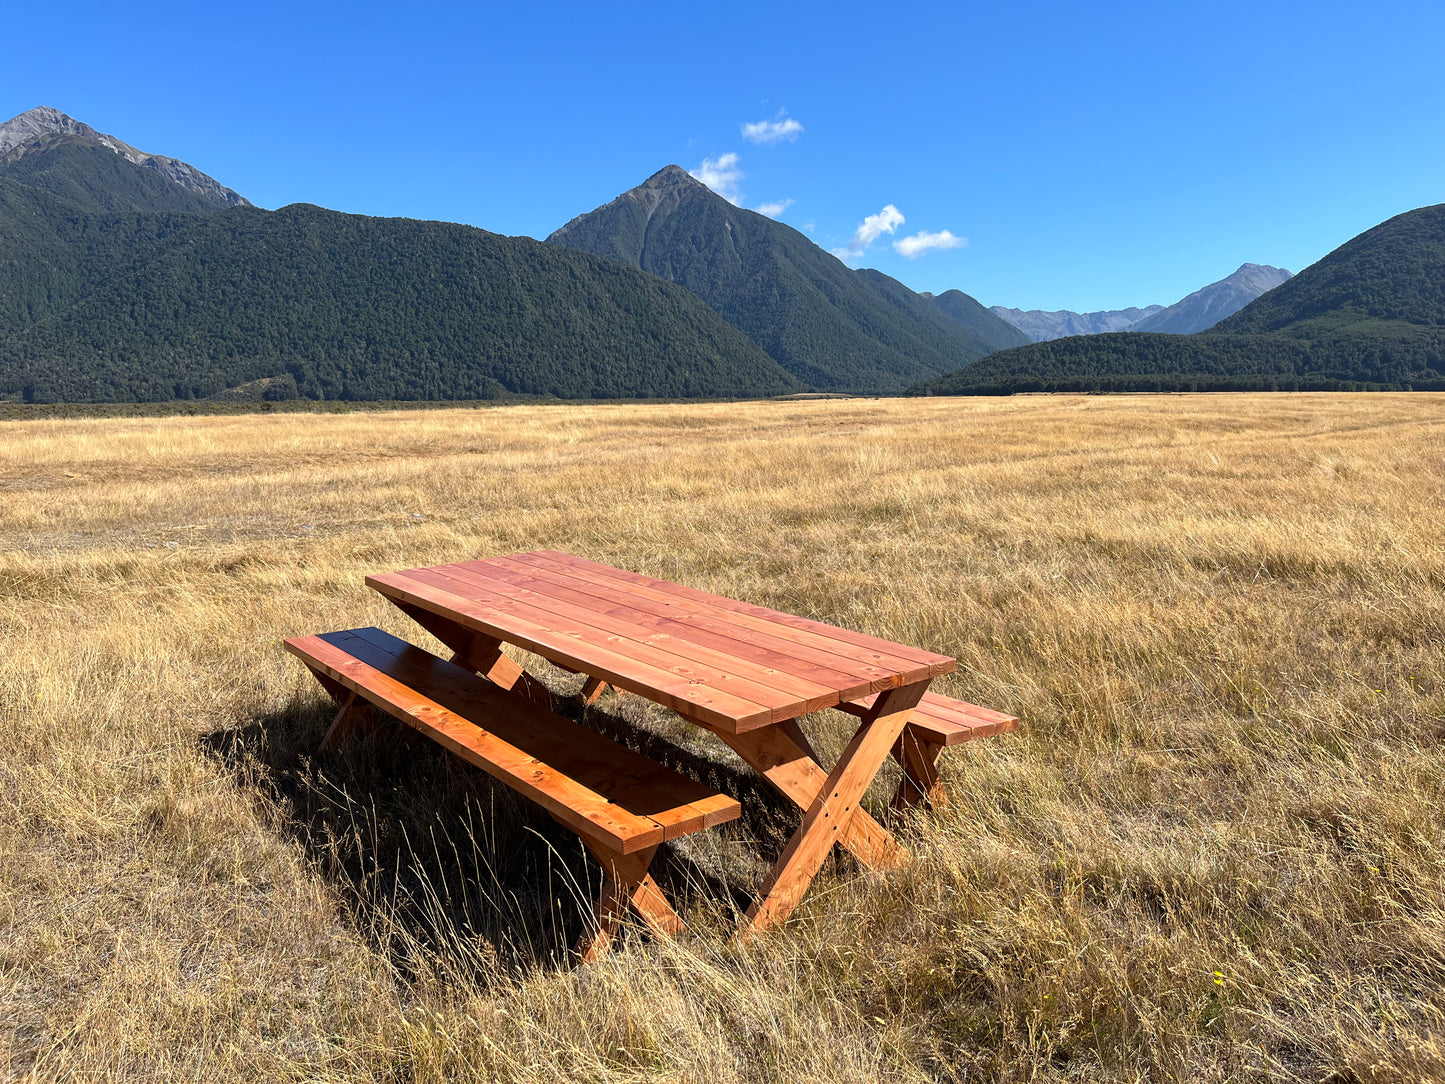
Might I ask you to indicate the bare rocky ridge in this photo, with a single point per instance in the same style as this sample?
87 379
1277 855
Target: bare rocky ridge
1040 325
1204 308
41 128
1199 311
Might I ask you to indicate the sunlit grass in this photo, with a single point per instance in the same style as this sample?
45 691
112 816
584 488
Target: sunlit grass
1214 851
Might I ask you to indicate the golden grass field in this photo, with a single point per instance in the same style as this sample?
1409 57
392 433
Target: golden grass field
1215 850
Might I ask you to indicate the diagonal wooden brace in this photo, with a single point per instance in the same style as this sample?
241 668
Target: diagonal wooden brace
835 808
626 884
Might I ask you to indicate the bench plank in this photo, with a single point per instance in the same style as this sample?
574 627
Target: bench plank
944 721
594 786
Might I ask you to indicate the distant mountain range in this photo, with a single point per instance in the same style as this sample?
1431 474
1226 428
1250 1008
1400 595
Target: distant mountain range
831 327
1041 325
122 280
1199 311
130 276
1371 314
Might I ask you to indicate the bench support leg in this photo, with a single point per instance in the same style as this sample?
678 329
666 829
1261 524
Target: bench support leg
920 784
626 883
352 711
835 808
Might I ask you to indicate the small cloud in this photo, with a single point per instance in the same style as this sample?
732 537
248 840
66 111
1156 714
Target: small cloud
774 209
872 228
781 129
722 175
915 246
810 226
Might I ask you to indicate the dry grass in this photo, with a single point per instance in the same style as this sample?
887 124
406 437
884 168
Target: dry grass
1215 851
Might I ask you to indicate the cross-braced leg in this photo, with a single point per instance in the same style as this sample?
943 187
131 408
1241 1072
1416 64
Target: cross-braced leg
835 807
783 756
626 883
920 784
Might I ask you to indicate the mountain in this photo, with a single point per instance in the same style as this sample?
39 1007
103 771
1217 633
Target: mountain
969 314
32 144
1204 308
1041 326
833 328
166 302
1371 314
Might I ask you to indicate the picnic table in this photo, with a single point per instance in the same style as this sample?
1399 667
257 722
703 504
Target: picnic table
743 672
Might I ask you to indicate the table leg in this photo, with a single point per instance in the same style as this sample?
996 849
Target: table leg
836 806
626 883
481 654
784 757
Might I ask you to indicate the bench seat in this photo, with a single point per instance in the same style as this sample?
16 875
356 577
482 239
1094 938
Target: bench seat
588 782
936 723
944 721
621 803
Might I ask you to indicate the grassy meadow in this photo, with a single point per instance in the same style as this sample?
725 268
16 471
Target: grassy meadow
1214 851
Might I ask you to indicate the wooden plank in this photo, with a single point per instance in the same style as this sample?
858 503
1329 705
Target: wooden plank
579 624
834 808
502 749
592 690
846 676
935 664
622 874
739 615
695 700
770 686
920 783
626 778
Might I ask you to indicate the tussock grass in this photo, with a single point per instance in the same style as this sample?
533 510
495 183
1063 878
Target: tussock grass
1216 850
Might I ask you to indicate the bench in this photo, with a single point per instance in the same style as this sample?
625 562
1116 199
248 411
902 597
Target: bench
936 723
621 803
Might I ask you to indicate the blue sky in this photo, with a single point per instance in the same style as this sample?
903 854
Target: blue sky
1076 156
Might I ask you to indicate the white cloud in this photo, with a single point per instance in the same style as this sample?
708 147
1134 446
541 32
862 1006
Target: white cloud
872 228
780 129
722 175
774 209
915 246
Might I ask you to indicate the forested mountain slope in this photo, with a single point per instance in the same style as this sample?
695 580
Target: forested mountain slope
833 328
1370 314
102 302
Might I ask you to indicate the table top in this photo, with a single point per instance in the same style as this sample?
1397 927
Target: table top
715 660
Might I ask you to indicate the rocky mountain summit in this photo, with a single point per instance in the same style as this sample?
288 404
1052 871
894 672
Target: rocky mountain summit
44 128
830 326
1204 308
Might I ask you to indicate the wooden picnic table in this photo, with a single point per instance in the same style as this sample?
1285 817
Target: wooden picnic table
744 672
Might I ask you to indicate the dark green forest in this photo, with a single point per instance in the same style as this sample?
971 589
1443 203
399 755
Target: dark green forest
100 305
832 328
1369 316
